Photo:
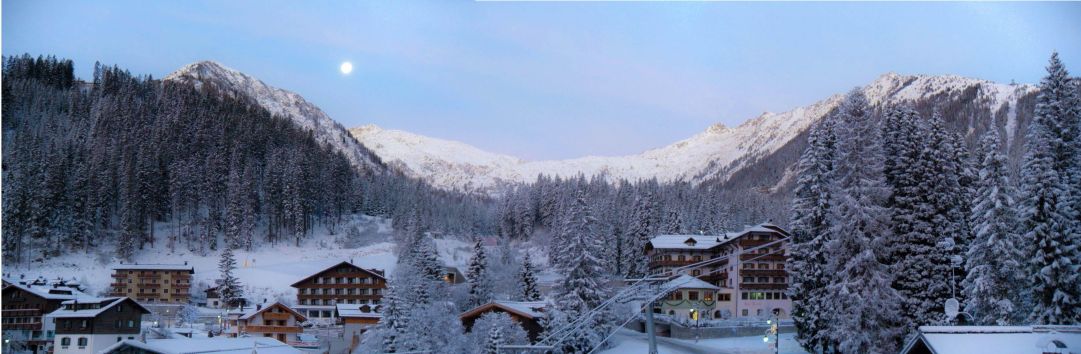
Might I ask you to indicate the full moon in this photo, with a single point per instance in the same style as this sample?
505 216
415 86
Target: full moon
347 68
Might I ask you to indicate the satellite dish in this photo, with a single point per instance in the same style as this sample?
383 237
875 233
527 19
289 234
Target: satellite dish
953 308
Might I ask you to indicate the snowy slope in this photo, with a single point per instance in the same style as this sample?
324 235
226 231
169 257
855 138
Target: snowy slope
719 151
279 102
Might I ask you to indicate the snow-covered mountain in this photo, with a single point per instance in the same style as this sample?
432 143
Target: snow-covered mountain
279 102
715 153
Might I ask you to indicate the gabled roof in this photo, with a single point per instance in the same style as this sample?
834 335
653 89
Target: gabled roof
370 272
358 310
527 309
996 339
106 303
705 242
257 310
50 293
688 282
216 345
170 267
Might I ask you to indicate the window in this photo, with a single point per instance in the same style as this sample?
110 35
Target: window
744 312
758 312
778 279
696 272
763 279
116 324
82 342
120 309
84 324
692 295
780 266
65 342
763 265
769 296
744 296
708 296
677 295
119 339
131 324
748 279
724 297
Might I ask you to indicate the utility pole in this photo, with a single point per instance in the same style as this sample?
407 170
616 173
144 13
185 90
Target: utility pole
650 332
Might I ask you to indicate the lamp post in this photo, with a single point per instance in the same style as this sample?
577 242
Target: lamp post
773 322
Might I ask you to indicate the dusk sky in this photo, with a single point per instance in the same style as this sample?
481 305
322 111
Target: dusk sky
544 80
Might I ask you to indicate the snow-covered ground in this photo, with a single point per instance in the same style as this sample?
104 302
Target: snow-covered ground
266 272
629 342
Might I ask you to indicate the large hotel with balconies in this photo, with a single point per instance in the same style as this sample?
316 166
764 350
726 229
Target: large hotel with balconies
150 284
751 278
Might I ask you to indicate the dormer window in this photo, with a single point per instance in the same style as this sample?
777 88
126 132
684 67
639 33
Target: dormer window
690 242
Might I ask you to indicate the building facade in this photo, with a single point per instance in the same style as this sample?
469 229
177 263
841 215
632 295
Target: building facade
343 283
527 314
90 325
689 299
749 269
274 320
24 310
151 284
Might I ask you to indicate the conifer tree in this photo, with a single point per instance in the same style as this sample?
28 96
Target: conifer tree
495 340
994 258
228 286
582 287
527 279
480 286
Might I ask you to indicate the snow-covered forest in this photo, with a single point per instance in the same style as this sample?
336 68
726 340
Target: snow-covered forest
893 215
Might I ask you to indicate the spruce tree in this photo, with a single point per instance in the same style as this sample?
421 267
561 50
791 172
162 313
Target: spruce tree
527 279
228 286
994 258
495 340
806 263
863 307
1048 218
582 287
480 286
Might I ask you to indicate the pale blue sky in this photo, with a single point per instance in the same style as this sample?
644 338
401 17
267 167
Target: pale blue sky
554 80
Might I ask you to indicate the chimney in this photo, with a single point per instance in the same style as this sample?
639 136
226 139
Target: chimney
258 307
75 306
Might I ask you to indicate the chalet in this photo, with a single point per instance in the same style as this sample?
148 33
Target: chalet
357 319
24 309
89 325
528 314
995 340
452 275
342 283
213 299
688 299
274 320
749 267
153 283
217 345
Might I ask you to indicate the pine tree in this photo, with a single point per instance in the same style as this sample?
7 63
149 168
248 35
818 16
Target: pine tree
642 228
393 325
480 286
1048 218
527 279
810 208
495 340
582 287
228 286
994 257
863 306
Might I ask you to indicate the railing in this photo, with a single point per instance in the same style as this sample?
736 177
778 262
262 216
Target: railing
116 285
150 285
714 276
763 272
763 286
669 263
20 312
276 316
149 276
120 275
271 329
35 326
762 257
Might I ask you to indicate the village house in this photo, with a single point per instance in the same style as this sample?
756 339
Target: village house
527 314
216 345
343 283
357 319
89 325
754 284
24 310
452 275
274 320
995 340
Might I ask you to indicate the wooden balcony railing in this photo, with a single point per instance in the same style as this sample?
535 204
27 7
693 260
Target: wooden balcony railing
776 257
276 316
20 312
763 273
271 329
671 263
36 326
149 285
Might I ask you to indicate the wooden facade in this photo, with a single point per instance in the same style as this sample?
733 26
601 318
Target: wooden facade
526 314
274 320
343 283
90 325
24 309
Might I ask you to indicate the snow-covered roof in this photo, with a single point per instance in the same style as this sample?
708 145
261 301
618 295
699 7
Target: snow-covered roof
217 345
997 339
137 266
688 282
528 309
705 242
250 312
105 304
365 270
51 293
358 311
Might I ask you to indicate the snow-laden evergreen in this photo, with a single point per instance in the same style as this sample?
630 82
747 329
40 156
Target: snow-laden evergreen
864 308
229 288
993 287
480 282
1049 220
806 263
527 280
583 286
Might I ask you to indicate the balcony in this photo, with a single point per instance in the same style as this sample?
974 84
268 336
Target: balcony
712 277
149 276
276 316
149 285
764 286
271 329
20 312
181 286
118 285
36 326
118 293
120 275
776 257
763 273
673 263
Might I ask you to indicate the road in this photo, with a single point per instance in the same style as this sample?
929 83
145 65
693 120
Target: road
628 341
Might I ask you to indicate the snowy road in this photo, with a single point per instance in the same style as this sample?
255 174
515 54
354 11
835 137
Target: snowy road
630 342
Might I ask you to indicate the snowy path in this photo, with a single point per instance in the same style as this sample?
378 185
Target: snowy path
628 341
